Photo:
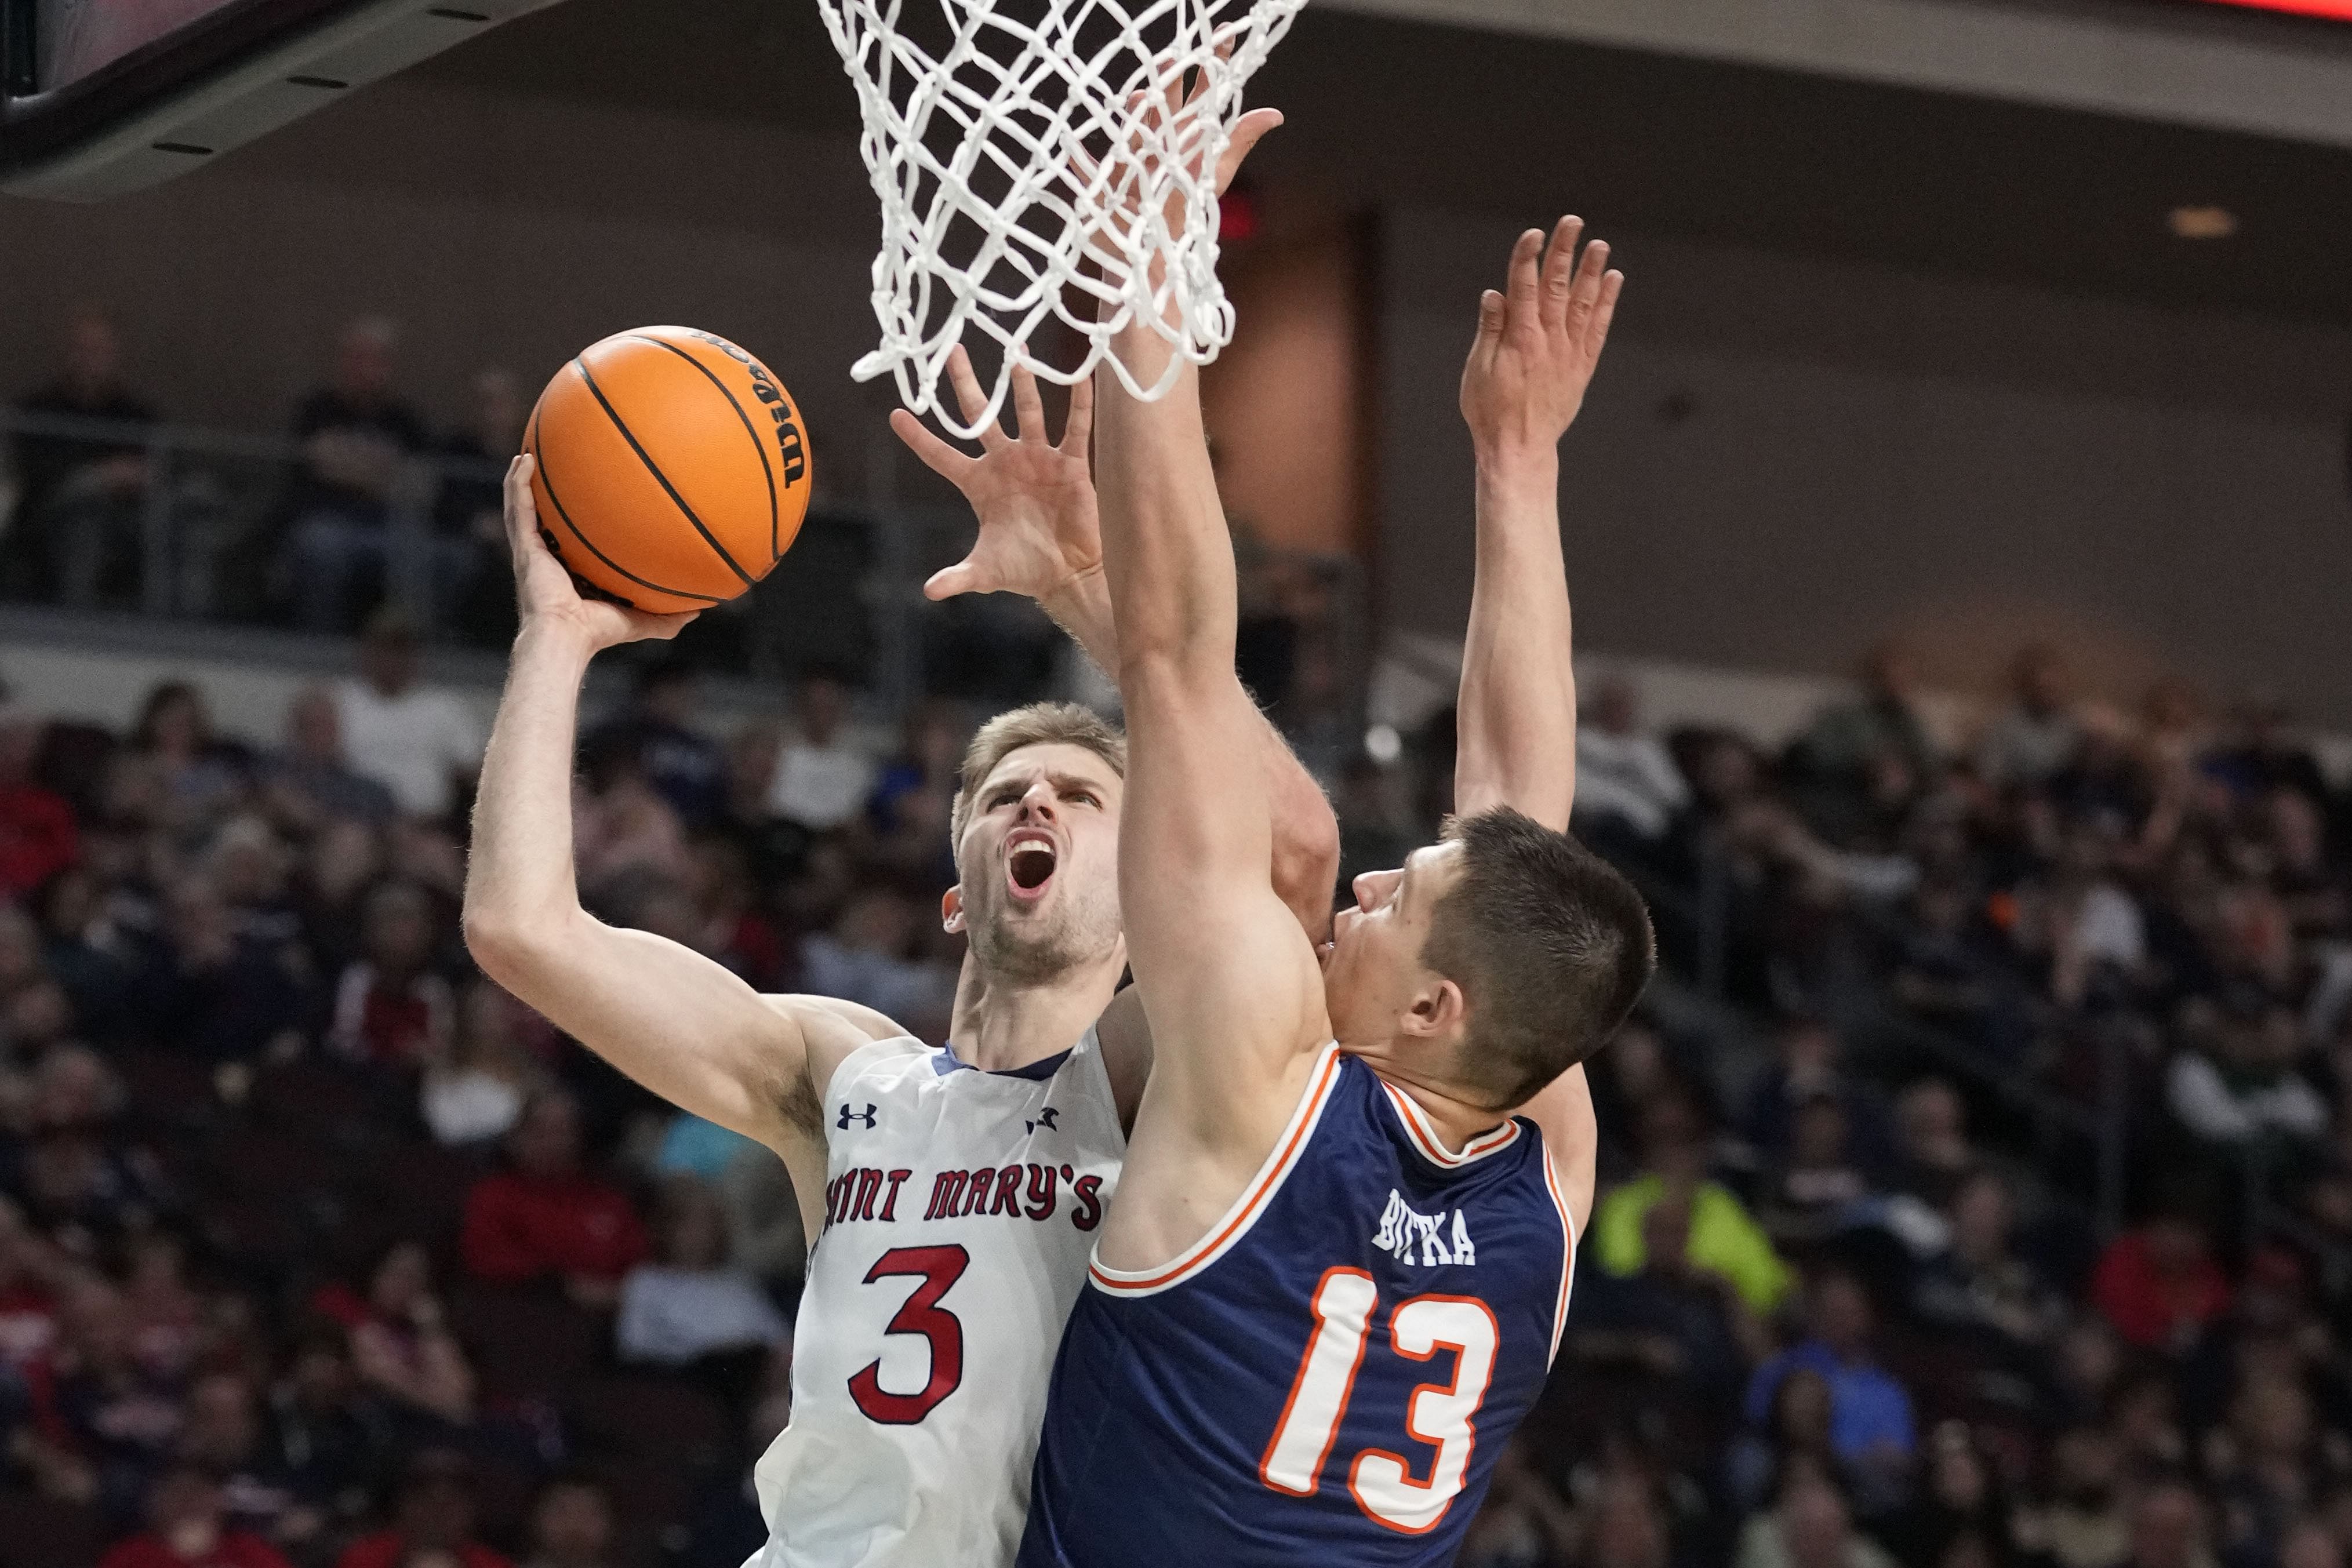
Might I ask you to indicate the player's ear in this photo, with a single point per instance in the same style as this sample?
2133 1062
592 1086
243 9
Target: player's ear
1437 1008
951 909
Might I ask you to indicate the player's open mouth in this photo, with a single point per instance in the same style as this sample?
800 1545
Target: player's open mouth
1030 857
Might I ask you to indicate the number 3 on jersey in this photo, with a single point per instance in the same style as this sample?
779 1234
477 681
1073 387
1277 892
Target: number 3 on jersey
939 1267
1439 1414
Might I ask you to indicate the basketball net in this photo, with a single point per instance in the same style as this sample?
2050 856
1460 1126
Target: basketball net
1031 169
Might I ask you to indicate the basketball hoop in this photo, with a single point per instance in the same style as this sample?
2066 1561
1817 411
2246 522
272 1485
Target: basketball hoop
1003 206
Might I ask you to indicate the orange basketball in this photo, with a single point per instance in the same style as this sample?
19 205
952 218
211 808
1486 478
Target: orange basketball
673 468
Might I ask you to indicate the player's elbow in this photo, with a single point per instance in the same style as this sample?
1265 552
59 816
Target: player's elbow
507 945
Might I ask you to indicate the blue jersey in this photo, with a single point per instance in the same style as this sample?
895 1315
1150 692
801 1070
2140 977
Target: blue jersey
1332 1373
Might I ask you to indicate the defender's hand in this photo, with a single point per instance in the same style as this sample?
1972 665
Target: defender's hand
1538 343
545 593
1039 532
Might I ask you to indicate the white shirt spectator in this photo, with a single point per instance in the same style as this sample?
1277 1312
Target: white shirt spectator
2023 748
414 743
673 1315
2109 928
2211 1107
820 787
1629 777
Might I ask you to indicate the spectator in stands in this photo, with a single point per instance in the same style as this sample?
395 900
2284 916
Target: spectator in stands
1809 1067
823 777
1935 1154
1525 1520
692 1305
1871 1426
103 1426
2158 1284
659 733
222 1435
1723 1239
401 1346
2080 1521
2168 1527
1817 1188
2267 1468
187 1527
571 1525
324 1442
358 436
81 496
2036 735
391 1009
478 597
1872 755
1962 1513
1680 1323
2236 1083
38 838
867 958
311 781
211 996
1977 1289
474 1091
546 1216
432 1519
199 776
421 744
1626 780
1809 1527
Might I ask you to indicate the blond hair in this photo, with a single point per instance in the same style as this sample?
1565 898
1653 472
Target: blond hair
1039 724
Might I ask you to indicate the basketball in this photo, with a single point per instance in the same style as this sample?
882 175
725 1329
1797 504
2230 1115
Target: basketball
672 468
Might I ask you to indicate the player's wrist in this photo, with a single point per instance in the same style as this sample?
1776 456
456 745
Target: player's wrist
556 633
1517 460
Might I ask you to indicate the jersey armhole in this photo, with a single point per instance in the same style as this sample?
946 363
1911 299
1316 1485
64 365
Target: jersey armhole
864 1056
1569 1239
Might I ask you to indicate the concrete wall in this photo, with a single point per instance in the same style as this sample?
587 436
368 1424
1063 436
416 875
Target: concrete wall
1785 458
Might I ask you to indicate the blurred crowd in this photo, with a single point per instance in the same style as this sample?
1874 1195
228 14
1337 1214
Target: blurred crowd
317 548
1976 1181
1977 1184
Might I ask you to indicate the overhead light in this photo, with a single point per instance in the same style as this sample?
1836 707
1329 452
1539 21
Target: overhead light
2202 223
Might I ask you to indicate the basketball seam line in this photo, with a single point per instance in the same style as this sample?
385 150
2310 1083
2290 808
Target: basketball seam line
539 460
661 479
769 473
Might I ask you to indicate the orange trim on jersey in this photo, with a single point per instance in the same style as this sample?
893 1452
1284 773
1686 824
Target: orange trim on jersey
1277 1166
1568 1251
1424 1133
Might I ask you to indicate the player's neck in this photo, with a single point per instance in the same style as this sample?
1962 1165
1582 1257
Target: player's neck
998 1024
1456 1120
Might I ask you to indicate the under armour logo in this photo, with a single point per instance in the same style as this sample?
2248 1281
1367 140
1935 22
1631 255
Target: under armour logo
1046 1119
849 1115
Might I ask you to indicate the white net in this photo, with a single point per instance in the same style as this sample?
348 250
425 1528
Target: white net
1044 161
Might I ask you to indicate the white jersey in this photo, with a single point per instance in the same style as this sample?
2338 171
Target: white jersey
961 1207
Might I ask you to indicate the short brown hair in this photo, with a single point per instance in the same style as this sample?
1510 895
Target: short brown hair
1550 946
1039 724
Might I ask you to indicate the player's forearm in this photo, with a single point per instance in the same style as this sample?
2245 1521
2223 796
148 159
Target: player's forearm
520 882
1306 834
1167 551
1518 701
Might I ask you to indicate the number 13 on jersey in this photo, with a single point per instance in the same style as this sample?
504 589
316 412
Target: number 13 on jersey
1438 1413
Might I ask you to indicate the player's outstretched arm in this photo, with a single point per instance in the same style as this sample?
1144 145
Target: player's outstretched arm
1538 344
1041 536
1232 989
669 1018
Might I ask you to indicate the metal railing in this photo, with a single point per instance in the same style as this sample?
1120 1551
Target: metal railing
202 536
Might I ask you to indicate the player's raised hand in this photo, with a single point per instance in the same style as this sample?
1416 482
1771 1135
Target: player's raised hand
1538 343
1039 532
545 592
